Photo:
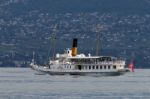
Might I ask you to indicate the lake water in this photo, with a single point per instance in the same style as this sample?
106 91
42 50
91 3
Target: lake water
24 83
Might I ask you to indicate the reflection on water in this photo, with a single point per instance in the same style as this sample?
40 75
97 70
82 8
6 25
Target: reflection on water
24 83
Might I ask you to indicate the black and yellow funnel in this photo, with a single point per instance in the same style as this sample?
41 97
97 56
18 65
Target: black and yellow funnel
74 47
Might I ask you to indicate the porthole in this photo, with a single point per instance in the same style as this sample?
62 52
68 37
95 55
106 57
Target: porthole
114 67
101 67
93 67
96 67
89 67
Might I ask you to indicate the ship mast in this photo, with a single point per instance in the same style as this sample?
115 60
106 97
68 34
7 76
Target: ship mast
97 43
97 39
54 42
98 30
33 57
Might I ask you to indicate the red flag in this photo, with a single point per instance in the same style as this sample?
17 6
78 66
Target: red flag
131 66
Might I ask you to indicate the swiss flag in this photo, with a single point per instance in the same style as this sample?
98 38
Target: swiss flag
131 66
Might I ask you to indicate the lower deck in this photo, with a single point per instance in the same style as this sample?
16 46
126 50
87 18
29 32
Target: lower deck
80 72
86 67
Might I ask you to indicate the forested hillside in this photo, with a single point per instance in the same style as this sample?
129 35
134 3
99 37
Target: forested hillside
28 25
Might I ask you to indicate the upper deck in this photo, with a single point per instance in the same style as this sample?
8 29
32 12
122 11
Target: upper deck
87 59
95 59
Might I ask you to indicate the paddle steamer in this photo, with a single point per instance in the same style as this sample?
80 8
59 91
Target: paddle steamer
72 63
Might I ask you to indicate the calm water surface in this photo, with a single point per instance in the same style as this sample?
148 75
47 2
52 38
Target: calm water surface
24 83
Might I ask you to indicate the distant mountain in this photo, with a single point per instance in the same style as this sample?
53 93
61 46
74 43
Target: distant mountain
76 6
27 26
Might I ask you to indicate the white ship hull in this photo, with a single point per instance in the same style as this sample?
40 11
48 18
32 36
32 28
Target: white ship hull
46 70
